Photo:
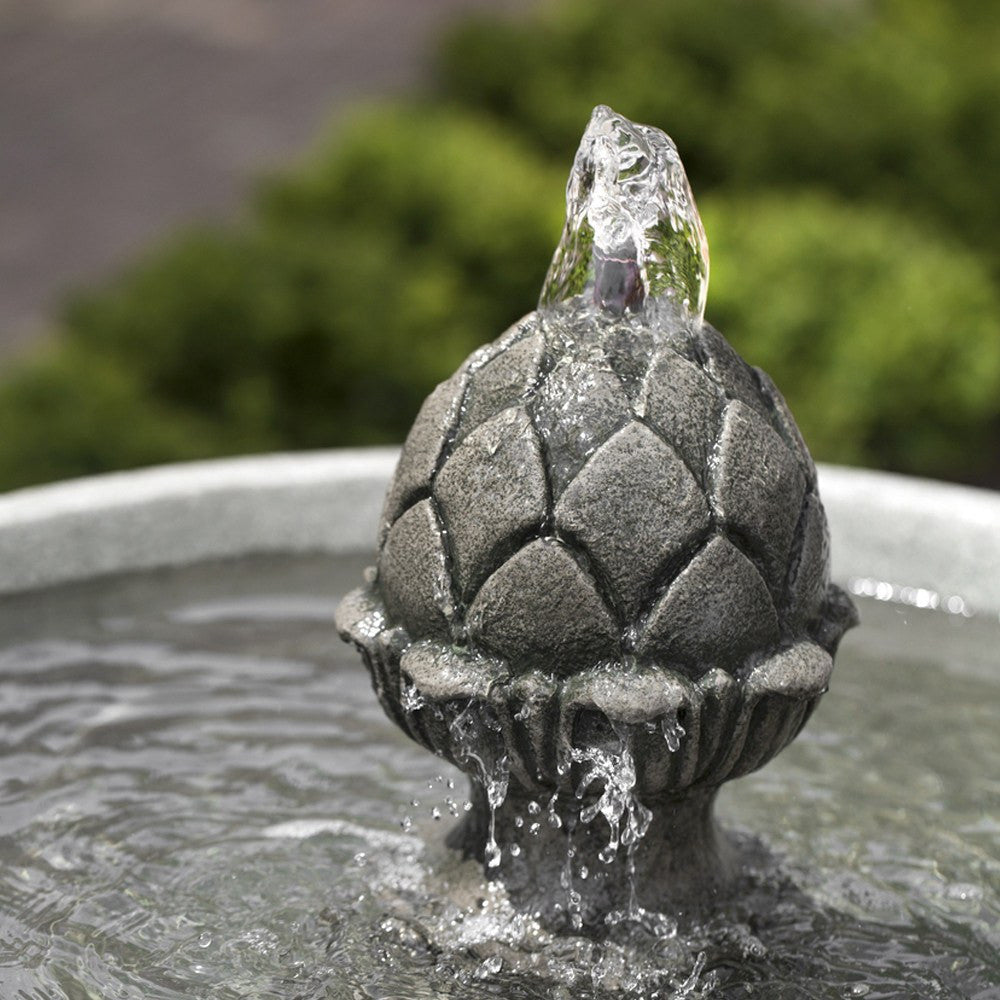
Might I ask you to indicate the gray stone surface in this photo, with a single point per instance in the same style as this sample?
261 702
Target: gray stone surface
715 613
785 424
412 574
735 377
504 381
541 610
423 448
580 404
757 488
634 507
809 572
680 402
492 492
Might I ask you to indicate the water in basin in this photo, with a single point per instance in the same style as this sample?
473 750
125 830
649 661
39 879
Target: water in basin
200 798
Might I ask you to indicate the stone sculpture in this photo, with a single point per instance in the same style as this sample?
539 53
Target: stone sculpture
603 575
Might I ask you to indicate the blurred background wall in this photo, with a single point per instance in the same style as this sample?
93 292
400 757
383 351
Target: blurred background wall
232 293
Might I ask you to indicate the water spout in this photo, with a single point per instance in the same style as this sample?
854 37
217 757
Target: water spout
633 234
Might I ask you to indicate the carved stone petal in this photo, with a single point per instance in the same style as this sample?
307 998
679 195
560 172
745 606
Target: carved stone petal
810 574
683 404
730 371
785 423
758 488
580 405
502 382
716 612
491 490
801 672
412 577
634 505
422 449
540 610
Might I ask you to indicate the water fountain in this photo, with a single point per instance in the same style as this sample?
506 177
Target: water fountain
199 796
603 578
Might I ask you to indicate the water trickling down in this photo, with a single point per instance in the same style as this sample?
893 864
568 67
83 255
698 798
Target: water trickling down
475 742
614 772
603 554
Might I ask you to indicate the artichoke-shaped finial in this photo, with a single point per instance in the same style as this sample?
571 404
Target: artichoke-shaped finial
603 560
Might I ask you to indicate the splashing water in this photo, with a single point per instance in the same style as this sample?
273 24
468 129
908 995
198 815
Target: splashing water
673 732
474 741
633 235
409 696
169 862
627 818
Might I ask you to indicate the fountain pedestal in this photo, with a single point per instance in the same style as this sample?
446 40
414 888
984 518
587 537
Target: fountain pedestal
682 864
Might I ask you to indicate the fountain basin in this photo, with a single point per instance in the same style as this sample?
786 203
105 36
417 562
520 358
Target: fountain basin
183 805
885 528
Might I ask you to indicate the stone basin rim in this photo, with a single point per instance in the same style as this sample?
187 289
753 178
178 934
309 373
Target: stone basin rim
885 528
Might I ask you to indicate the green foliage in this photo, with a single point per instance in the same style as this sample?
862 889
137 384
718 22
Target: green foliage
846 158
363 280
71 413
885 343
888 101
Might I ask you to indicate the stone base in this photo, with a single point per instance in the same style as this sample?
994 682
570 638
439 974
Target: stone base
680 868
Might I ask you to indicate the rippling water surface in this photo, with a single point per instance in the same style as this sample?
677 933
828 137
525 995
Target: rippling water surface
200 798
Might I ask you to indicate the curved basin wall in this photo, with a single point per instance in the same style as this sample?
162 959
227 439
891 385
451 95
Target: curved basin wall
938 541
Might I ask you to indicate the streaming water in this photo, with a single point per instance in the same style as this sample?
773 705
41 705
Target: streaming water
200 798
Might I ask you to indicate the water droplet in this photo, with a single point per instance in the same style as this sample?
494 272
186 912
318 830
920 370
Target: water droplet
489 967
361 859
205 940
435 813
554 819
673 732
584 872
518 822
406 823
534 829
515 850
409 697
534 808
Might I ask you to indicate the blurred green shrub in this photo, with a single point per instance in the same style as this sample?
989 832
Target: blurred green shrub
846 160
363 280
884 341
887 101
